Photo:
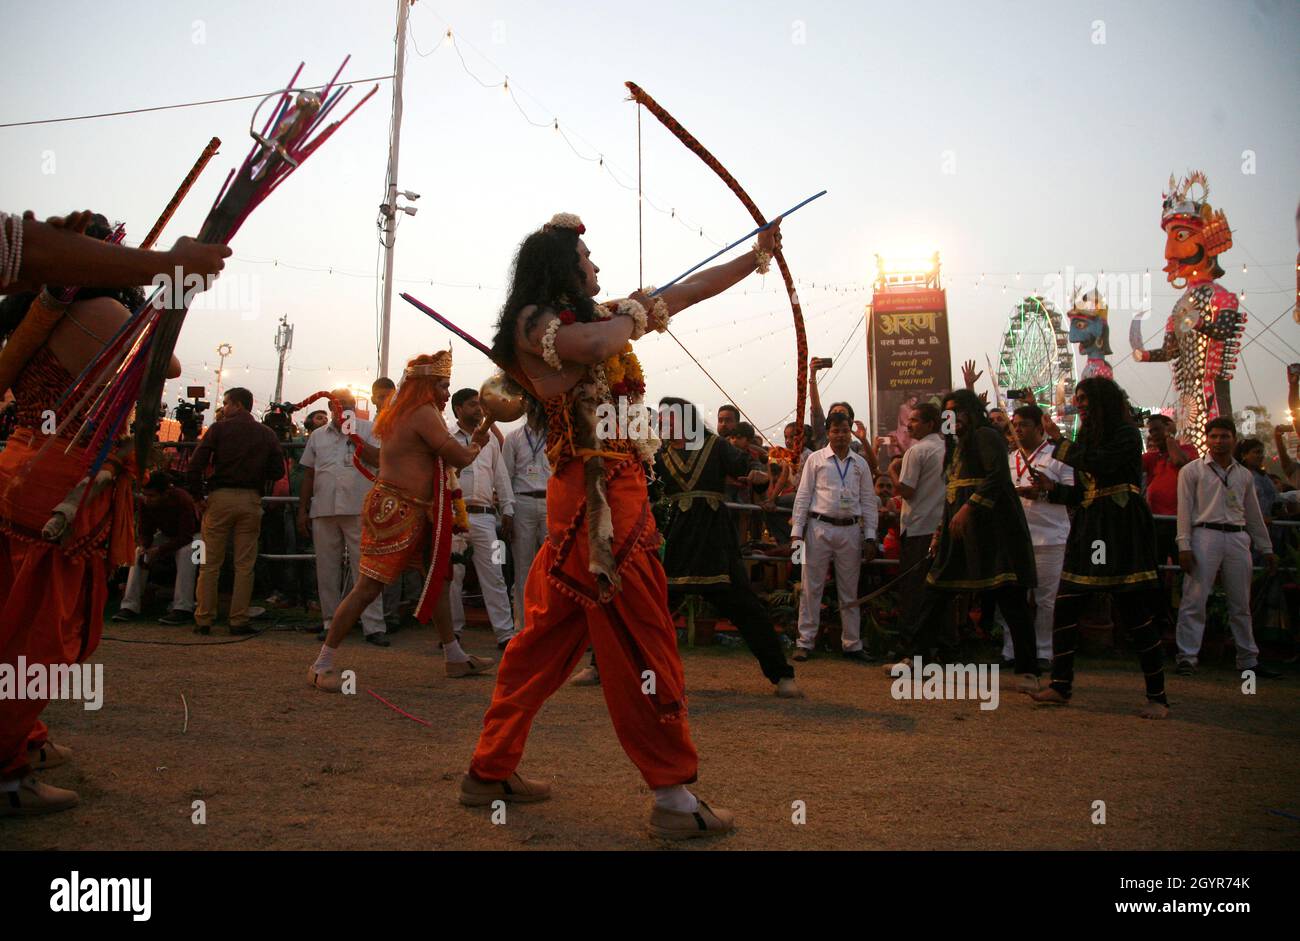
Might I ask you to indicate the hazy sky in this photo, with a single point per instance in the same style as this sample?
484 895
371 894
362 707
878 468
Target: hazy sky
1023 137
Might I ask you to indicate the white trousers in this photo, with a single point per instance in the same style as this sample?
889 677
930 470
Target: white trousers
1048 561
825 544
330 534
1217 552
526 541
183 590
489 564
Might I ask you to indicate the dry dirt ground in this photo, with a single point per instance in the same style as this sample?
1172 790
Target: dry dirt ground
282 766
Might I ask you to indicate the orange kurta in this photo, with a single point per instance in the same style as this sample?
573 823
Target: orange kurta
52 595
632 633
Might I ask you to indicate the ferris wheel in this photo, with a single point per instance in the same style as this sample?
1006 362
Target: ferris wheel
1036 353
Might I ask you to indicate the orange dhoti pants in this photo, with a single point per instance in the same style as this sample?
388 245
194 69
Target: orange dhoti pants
52 596
633 636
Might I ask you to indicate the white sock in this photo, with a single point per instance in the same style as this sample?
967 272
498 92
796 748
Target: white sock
453 653
325 660
676 798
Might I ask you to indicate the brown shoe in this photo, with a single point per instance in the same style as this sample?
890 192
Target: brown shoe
514 789
329 682
48 756
677 825
469 667
34 797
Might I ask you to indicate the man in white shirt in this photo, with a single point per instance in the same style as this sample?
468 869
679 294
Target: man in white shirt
835 519
329 503
1218 519
1048 519
524 453
919 484
485 484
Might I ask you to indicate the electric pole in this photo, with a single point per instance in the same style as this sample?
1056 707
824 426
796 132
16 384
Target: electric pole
389 209
283 343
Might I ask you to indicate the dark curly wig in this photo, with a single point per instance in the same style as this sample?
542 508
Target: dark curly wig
547 272
1108 410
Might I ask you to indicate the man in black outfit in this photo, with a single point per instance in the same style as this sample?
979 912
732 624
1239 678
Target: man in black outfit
702 552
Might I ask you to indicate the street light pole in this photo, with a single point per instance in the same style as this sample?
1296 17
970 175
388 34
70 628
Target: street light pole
389 209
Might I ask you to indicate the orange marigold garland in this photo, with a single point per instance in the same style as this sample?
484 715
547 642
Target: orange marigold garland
459 515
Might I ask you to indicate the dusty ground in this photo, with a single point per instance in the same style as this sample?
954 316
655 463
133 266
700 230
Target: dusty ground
282 766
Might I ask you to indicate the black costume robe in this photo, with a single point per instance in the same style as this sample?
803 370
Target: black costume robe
1112 544
997 549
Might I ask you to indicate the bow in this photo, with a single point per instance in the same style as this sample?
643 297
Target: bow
801 340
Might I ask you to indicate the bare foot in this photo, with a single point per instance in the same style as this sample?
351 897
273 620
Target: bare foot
1049 697
1154 710
1027 683
786 689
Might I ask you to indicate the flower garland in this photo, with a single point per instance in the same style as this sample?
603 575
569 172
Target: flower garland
622 371
459 515
657 317
620 376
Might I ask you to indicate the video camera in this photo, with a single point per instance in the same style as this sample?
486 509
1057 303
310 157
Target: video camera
279 418
190 413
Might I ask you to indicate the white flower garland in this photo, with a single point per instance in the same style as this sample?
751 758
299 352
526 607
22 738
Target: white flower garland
648 446
630 308
548 345
762 259
567 220
658 316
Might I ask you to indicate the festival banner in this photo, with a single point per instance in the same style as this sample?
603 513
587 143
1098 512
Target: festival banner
908 359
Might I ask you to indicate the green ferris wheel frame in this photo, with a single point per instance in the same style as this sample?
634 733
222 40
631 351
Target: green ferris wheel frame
1035 351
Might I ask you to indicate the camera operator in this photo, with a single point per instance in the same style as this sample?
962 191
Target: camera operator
168 522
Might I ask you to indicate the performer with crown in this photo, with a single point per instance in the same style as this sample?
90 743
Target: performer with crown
1090 328
1203 334
598 578
409 513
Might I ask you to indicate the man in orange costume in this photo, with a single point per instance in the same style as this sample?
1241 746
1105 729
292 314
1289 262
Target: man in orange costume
408 514
597 579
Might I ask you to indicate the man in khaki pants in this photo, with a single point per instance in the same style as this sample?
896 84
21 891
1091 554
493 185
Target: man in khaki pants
244 456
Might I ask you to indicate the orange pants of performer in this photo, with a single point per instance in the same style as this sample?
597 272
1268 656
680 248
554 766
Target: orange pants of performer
52 596
631 634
